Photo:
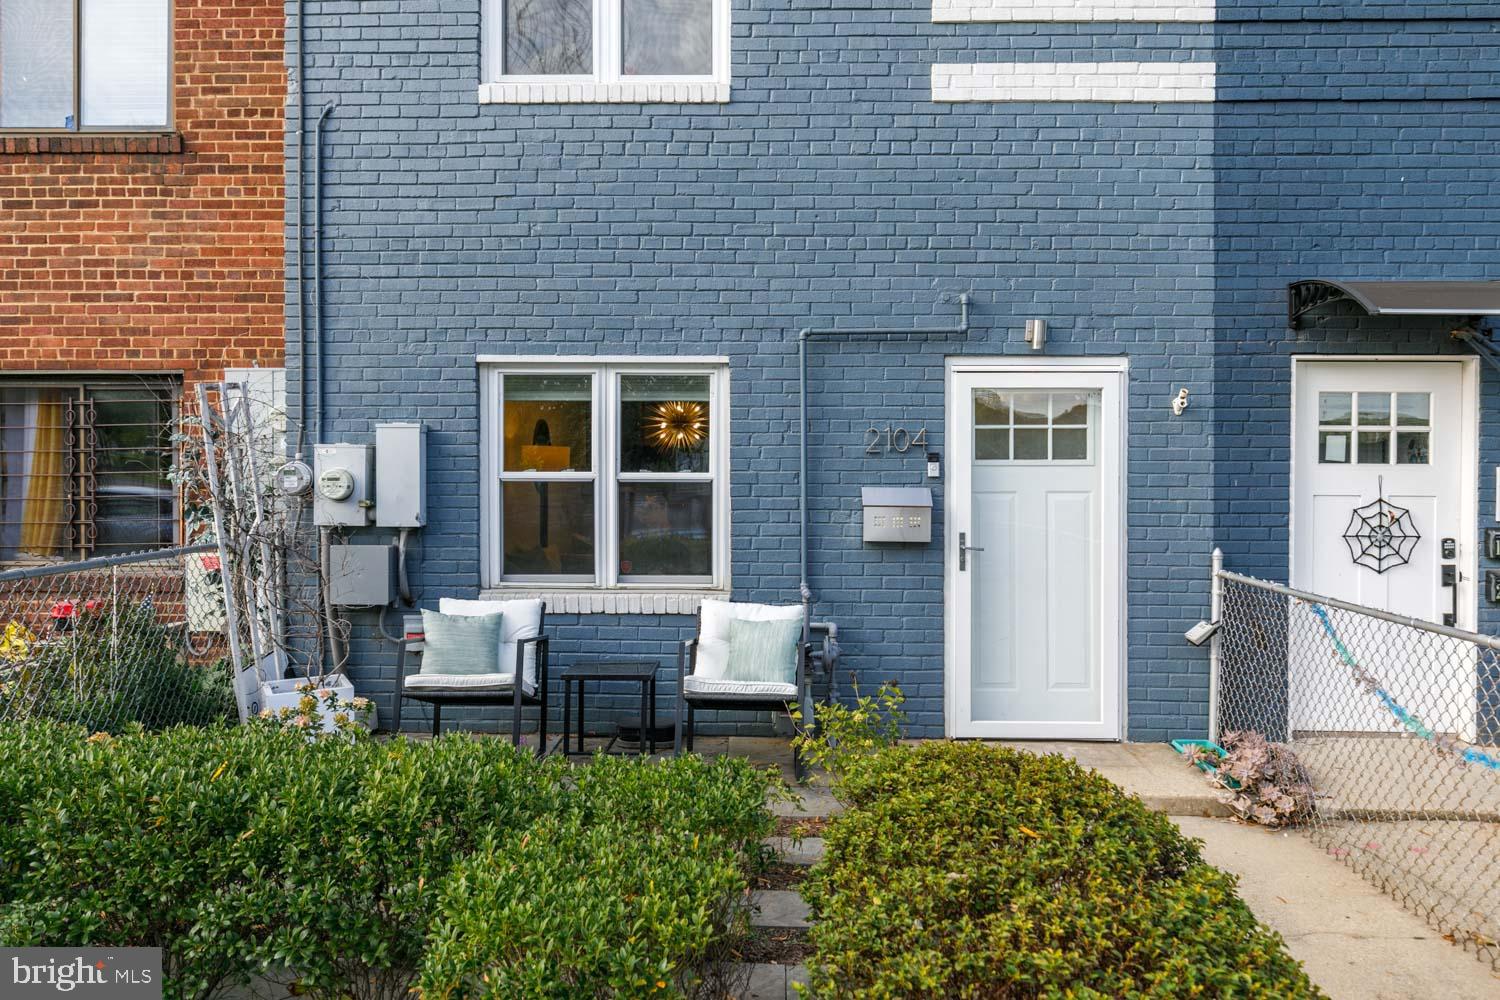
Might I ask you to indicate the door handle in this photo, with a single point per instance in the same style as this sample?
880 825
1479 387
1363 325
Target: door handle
964 548
1448 577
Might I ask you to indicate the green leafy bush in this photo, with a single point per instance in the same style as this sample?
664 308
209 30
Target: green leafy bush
964 870
341 865
844 734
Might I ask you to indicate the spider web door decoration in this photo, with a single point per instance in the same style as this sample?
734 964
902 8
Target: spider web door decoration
1381 535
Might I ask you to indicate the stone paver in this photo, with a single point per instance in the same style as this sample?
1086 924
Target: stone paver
807 851
778 908
1355 941
764 981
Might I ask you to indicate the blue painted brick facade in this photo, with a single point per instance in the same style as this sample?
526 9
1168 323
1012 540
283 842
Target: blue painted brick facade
1351 140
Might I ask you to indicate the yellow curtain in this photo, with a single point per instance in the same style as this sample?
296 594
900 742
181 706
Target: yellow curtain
42 519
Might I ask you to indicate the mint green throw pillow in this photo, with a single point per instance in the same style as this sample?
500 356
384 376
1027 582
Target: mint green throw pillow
763 652
460 644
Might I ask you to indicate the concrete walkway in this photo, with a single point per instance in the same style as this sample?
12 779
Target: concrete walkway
1353 940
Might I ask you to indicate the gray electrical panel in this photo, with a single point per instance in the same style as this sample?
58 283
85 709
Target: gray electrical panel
362 576
400 475
343 485
897 513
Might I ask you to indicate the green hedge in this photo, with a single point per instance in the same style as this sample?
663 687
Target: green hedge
964 870
367 865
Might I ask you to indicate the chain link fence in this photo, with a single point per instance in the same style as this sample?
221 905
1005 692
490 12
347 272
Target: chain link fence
116 641
1394 722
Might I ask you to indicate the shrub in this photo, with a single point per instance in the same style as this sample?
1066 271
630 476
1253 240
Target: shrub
335 863
843 733
962 870
624 895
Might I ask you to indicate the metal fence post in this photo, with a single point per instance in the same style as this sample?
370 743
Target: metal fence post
1215 616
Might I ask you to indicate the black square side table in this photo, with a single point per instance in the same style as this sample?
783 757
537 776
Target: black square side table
642 672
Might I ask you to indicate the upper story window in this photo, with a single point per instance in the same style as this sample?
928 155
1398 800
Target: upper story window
85 65
607 50
606 475
84 467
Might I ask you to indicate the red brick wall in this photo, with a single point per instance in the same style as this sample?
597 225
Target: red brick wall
157 253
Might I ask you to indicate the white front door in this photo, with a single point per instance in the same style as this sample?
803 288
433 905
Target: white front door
1383 466
1034 553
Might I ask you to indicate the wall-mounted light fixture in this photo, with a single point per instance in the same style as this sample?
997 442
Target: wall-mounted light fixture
1179 402
1036 333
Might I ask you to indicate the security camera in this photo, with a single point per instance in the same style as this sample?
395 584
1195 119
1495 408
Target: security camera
1201 633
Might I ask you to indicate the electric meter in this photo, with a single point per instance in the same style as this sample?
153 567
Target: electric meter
336 484
294 479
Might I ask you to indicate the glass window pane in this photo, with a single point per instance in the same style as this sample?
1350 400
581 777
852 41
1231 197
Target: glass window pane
664 423
132 447
1070 408
666 529
991 407
1413 409
668 37
36 64
1030 408
1031 445
1335 407
549 37
1333 447
127 73
1411 448
991 444
548 423
35 473
1070 444
1374 408
1374 447
548 529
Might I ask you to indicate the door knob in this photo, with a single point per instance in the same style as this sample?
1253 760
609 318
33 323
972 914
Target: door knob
964 548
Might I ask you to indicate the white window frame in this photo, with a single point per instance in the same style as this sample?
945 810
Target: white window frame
605 475
607 83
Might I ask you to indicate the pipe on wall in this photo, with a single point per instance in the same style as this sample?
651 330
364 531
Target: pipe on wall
317 234
806 334
295 80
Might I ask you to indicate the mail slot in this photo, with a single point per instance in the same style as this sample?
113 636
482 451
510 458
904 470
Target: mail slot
897 513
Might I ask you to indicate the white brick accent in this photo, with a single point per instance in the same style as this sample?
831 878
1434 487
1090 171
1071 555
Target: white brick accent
1154 82
603 93
611 602
1076 10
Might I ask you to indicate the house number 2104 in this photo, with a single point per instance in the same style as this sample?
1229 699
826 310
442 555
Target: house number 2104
897 439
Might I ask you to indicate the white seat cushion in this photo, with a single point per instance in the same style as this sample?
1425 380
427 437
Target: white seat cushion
522 619
709 687
464 682
713 631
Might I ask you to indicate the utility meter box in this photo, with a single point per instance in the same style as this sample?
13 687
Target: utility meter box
897 513
400 475
362 576
343 482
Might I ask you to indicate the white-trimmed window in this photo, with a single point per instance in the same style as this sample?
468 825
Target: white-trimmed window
606 475
546 51
85 65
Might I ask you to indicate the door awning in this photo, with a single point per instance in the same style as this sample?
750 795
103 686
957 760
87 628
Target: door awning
1395 298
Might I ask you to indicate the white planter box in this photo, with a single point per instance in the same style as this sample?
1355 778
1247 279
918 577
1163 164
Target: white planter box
286 693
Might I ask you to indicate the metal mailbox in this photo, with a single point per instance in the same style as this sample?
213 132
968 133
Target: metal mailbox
897 513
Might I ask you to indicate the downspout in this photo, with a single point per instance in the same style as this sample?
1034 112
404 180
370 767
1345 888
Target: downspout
318 260
301 311
806 334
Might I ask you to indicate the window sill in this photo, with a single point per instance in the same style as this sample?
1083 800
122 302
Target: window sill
604 93
85 143
610 602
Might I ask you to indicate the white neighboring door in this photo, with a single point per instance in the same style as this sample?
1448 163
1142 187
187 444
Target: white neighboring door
1034 540
1402 430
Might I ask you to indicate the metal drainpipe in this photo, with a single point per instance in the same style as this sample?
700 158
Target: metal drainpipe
806 334
301 311
318 259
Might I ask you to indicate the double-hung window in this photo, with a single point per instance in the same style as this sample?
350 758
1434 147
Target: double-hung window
84 467
607 476
606 50
85 65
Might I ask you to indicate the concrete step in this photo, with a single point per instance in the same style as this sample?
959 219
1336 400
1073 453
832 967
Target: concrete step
778 908
1154 771
791 851
764 981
